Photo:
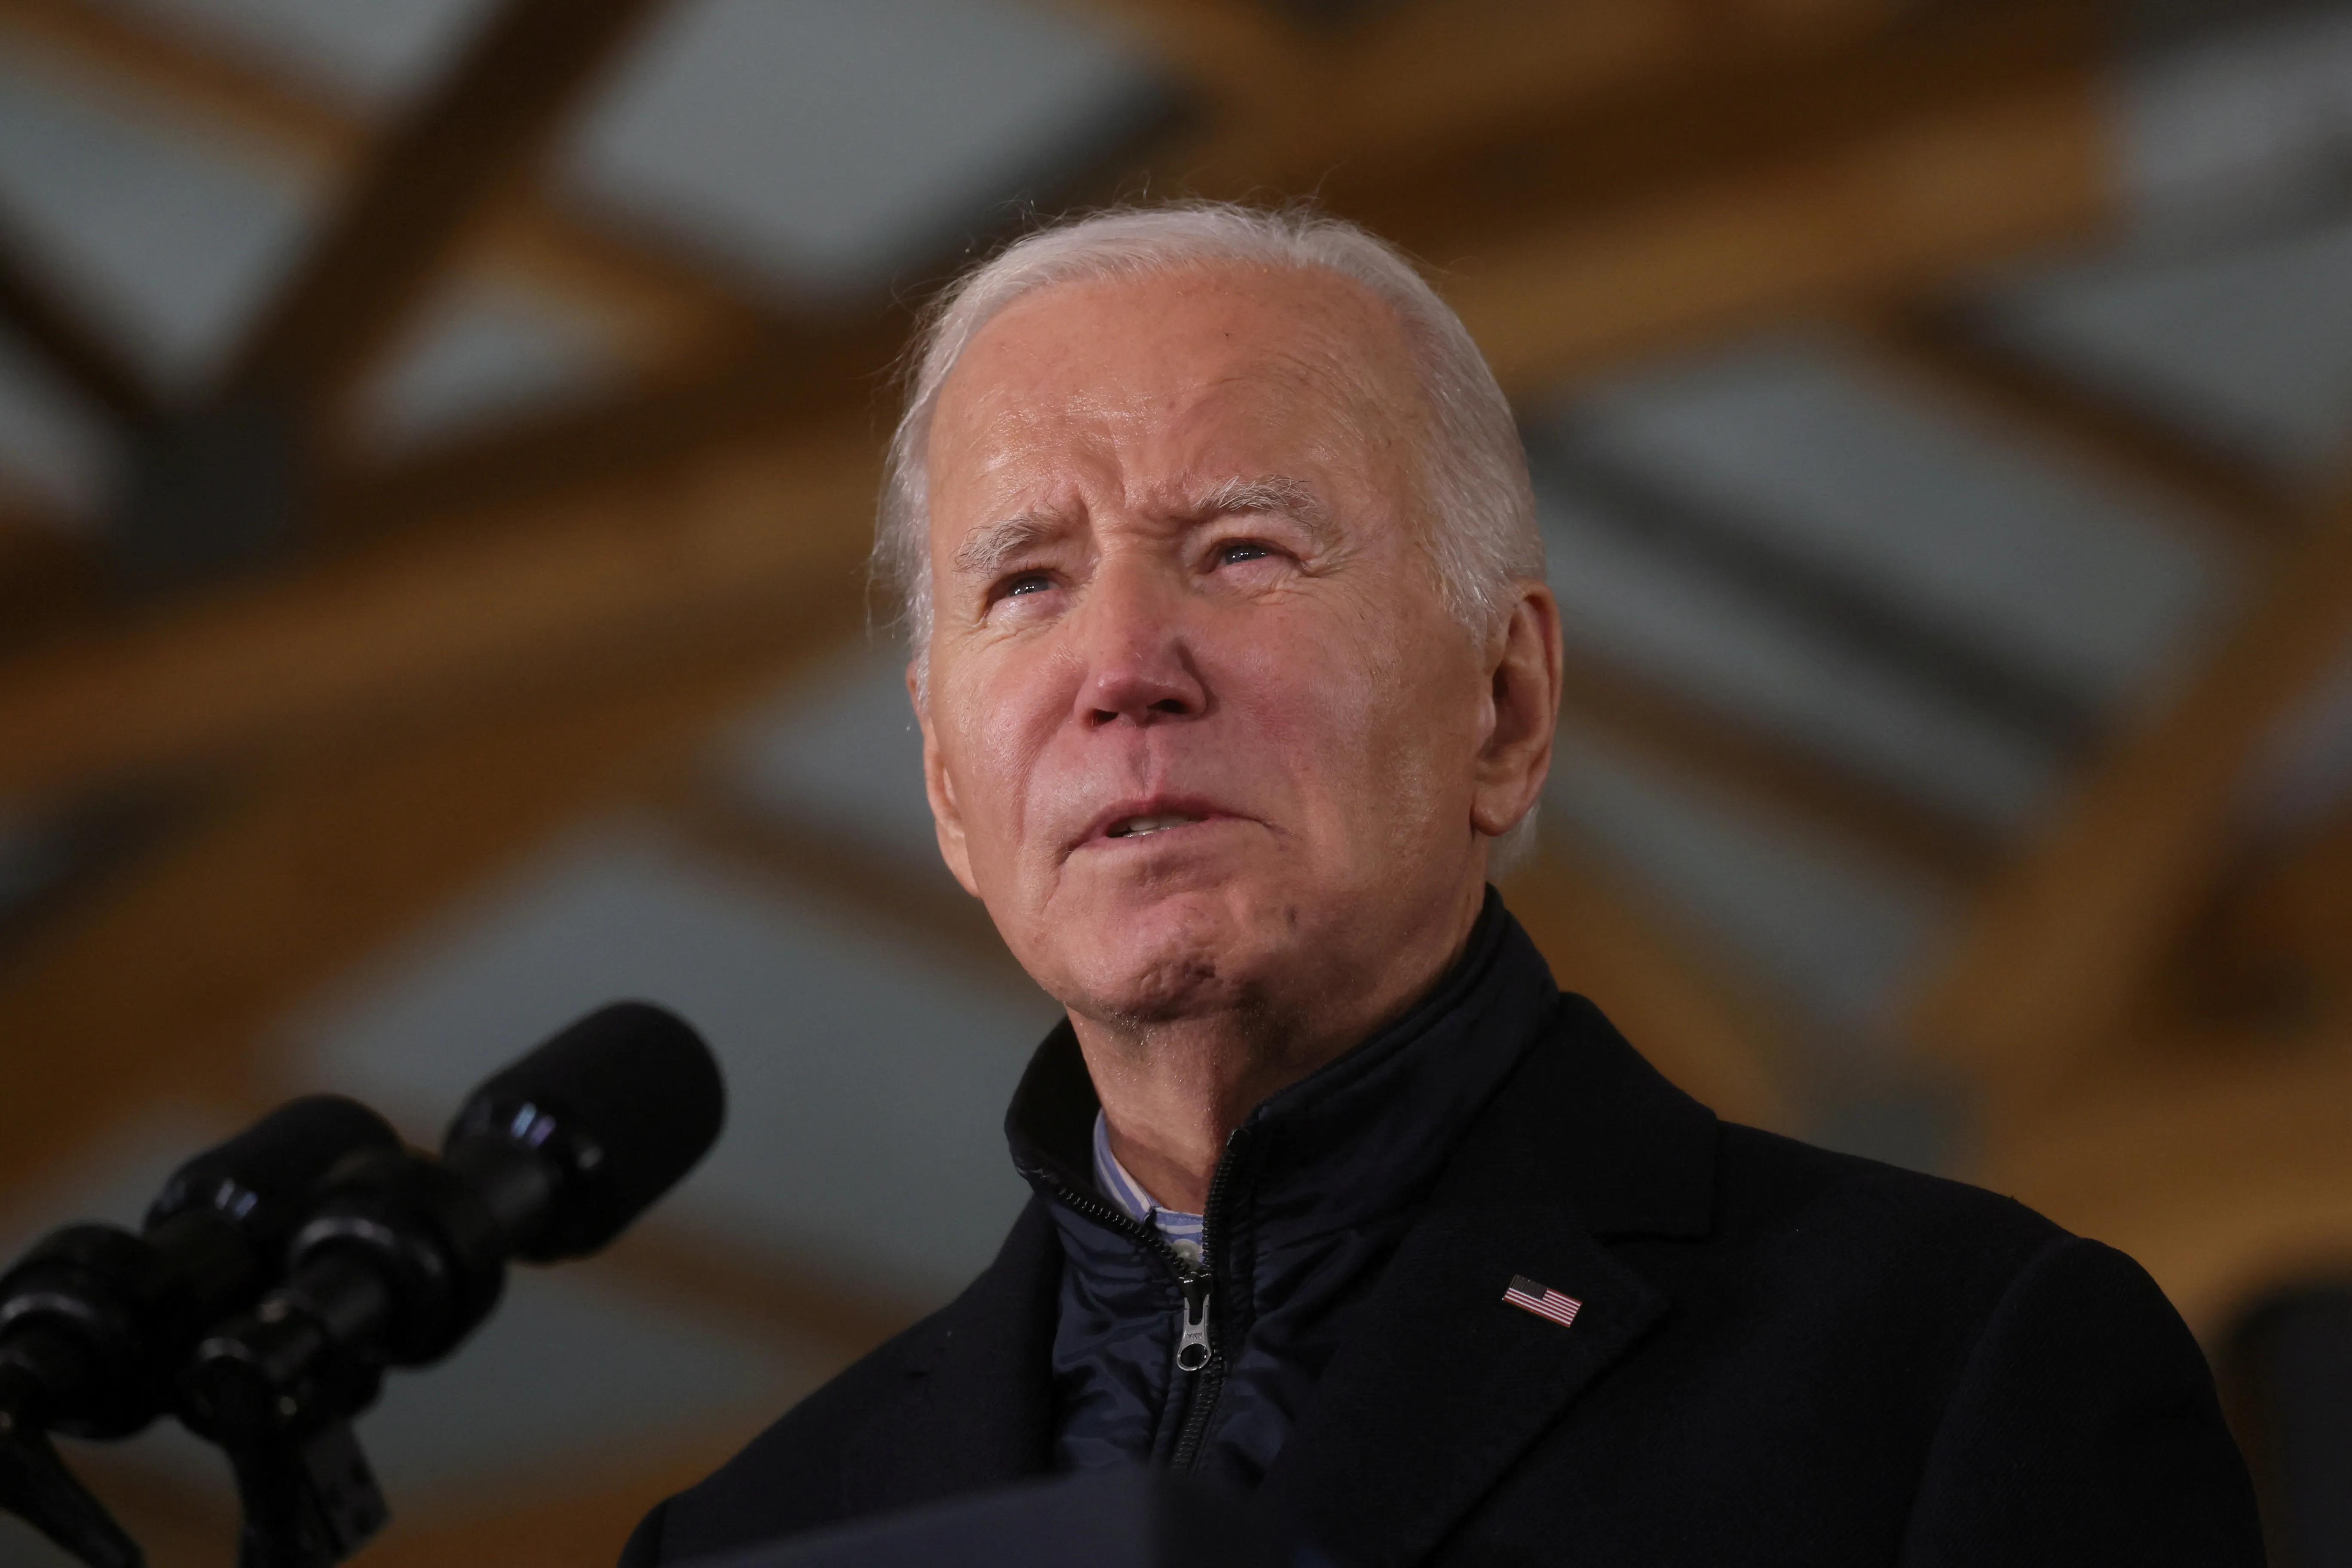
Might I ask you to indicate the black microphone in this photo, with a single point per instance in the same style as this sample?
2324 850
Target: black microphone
401 1255
607 1116
96 1323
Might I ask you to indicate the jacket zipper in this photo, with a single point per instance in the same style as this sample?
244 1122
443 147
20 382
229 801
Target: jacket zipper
1193 1346
1198 1354
1209 1370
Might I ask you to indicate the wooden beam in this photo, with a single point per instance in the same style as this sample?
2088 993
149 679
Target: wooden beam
1588 157
1565 42
163 984
781 379
2226 1170
1942 356
1900 171
1598 181
1425 81
1770 771
1411 86
2066 937
662 305
139 699
1936 159
420 193
1916 208
480 608
48 581
2275 947
61 335
1951 657
1688 1018
1985 138
1222 50
73 855
145 56
2306 901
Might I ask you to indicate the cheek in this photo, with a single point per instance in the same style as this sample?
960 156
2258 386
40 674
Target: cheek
1007 710
1369 725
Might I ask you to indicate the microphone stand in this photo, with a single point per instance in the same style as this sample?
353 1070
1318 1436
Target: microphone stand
309 1501
401 1255
387 1257
95 1322
36 1486
277 1389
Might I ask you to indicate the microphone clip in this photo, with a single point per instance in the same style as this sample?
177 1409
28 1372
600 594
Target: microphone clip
309 1499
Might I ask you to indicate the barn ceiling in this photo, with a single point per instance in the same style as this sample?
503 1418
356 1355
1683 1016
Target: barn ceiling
437 442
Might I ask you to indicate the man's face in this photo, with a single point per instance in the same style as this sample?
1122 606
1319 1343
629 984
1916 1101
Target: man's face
1201 729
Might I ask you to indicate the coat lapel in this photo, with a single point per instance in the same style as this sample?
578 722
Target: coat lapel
1449 1383
975 1407
1446 1384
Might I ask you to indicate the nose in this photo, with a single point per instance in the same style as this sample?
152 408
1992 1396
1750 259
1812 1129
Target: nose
1138 666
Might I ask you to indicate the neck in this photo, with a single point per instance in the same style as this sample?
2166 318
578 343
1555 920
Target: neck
1173 1091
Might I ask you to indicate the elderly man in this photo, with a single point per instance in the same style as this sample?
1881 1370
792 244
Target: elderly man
1236 674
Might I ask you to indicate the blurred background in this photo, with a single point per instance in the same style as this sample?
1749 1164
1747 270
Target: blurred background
438 447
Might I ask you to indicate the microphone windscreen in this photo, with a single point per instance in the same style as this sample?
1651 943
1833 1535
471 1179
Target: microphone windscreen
262 1178
626 1100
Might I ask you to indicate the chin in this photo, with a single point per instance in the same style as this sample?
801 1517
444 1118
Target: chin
1168 957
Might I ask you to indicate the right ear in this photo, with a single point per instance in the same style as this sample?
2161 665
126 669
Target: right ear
947 817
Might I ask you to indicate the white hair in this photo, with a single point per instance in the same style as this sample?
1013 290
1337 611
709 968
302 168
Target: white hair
1481 532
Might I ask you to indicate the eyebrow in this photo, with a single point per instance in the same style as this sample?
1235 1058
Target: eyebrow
1295 499
986 550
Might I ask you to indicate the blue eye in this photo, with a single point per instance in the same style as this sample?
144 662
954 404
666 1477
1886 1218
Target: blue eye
1027 583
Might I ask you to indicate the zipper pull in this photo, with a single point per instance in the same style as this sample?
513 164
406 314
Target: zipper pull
1193 1349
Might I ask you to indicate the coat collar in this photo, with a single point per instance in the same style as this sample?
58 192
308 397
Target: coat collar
1446 1385
1360 1137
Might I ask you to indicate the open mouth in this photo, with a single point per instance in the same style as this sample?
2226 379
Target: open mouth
1141 826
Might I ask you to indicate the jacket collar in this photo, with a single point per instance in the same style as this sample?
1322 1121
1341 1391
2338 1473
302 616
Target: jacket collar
1446 1384
1362 1136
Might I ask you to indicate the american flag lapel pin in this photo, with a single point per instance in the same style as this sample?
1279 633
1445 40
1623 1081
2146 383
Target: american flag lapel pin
1528 1295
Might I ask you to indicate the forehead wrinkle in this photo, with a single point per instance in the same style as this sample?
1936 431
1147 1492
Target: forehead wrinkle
1342 382
1339 373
